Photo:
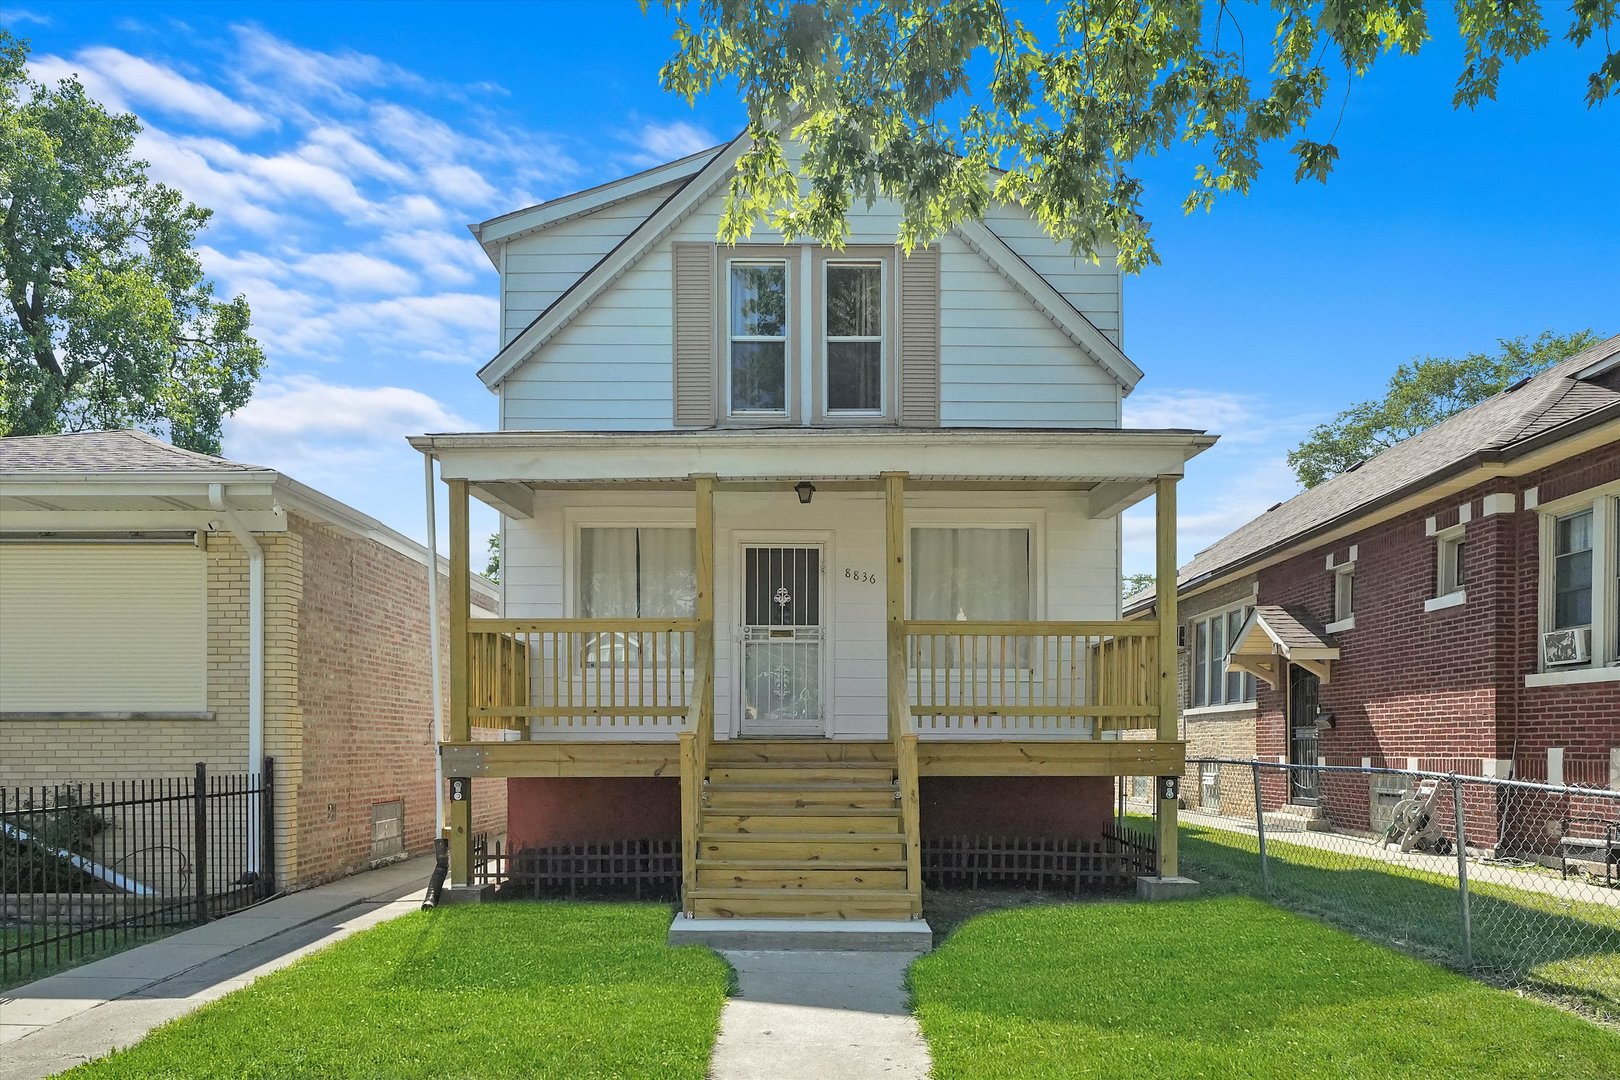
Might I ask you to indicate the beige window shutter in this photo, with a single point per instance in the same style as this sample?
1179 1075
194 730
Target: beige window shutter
695 364
919 338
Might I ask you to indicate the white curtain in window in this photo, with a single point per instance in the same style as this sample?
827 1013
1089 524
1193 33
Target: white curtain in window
607 573
637 573
668 573
970 574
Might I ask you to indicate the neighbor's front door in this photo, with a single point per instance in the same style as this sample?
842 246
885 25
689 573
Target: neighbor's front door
782 639
1304 703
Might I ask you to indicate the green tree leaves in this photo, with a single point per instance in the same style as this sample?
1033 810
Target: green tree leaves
1421 394
942 105
106 319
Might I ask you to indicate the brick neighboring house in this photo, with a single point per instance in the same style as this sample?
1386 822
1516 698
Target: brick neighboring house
126 600
1451 604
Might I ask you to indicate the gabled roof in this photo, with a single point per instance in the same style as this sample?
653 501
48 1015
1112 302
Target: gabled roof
121 451
504 227
1559 402
698 177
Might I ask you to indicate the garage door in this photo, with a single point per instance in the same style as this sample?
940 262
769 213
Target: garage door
103 627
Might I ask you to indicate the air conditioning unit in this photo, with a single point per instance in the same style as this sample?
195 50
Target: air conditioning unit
1559 647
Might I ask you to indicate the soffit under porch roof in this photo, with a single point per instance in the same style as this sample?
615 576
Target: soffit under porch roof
1273 637
1117 465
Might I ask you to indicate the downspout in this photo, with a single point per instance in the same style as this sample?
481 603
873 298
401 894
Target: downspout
441 846
255 740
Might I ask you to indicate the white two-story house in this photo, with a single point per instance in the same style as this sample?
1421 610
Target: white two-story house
810 556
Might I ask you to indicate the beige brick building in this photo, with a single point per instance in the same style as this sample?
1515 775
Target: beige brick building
127 605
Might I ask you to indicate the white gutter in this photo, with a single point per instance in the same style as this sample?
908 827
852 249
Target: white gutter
255 739
433 643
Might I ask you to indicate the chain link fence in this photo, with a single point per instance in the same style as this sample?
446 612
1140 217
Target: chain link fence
1516 883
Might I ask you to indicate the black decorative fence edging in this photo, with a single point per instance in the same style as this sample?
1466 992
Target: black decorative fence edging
643 869
90 868
1115 860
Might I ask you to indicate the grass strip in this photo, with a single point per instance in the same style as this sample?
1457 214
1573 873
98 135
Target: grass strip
496 990
1225 986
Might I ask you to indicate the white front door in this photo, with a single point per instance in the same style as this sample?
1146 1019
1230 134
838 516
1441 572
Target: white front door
782 632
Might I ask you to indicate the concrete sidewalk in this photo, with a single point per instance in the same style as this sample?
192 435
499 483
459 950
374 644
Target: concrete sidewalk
91 1010
819 1016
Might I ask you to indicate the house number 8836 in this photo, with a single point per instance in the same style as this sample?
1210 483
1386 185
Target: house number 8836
865 577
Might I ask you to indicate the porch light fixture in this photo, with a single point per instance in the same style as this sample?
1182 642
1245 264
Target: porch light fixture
805 490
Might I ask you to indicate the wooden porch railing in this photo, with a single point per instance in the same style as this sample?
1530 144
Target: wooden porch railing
695 742
1016 679
581 676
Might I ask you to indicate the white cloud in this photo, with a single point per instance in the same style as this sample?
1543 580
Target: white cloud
1234 417
667 142
303 406
17 16
351 271
164 89
324 432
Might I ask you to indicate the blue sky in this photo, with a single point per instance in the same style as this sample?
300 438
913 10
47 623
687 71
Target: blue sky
344 147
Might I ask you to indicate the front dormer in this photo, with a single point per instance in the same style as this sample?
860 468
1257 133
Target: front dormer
620 312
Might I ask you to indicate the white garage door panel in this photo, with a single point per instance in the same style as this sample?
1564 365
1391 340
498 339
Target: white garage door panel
103 628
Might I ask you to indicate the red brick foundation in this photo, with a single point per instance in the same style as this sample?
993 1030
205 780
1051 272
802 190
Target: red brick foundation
552 811
1067 807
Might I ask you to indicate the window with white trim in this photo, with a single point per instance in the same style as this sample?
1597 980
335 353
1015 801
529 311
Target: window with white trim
1212 682
757 368
852 337
1344 592
1580 574
1451 562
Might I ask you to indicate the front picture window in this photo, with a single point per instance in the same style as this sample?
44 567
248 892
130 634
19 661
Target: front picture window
758 337
854 337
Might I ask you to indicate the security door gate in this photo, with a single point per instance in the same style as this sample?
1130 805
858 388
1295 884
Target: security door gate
1304 742
782 635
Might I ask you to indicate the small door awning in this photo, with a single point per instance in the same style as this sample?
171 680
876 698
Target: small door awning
1273 637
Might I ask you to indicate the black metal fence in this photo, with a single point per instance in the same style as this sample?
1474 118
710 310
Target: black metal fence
90 868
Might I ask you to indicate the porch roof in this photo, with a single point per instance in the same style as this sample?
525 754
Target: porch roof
1117 465
1273 632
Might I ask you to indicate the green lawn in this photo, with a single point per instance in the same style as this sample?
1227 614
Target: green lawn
495 990
1561 946
1223 987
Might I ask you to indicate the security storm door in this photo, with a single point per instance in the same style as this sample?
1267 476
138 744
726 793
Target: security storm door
782 640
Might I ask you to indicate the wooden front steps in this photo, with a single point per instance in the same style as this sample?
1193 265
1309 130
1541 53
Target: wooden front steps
801 829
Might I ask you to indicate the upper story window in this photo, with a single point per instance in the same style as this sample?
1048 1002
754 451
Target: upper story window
1212 684
1344 590
757 342
852 341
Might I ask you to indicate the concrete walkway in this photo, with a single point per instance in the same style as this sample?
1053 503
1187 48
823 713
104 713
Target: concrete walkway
91 1010
819 1016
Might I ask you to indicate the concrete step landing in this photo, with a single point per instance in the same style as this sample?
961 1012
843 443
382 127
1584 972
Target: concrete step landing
796 935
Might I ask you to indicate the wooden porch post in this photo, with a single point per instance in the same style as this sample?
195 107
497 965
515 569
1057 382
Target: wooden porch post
695 743
894 553
458 823
704 505
1169 689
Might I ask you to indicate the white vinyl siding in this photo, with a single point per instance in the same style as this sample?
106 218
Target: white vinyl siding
103 628
1002 361
541 265
1092 288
